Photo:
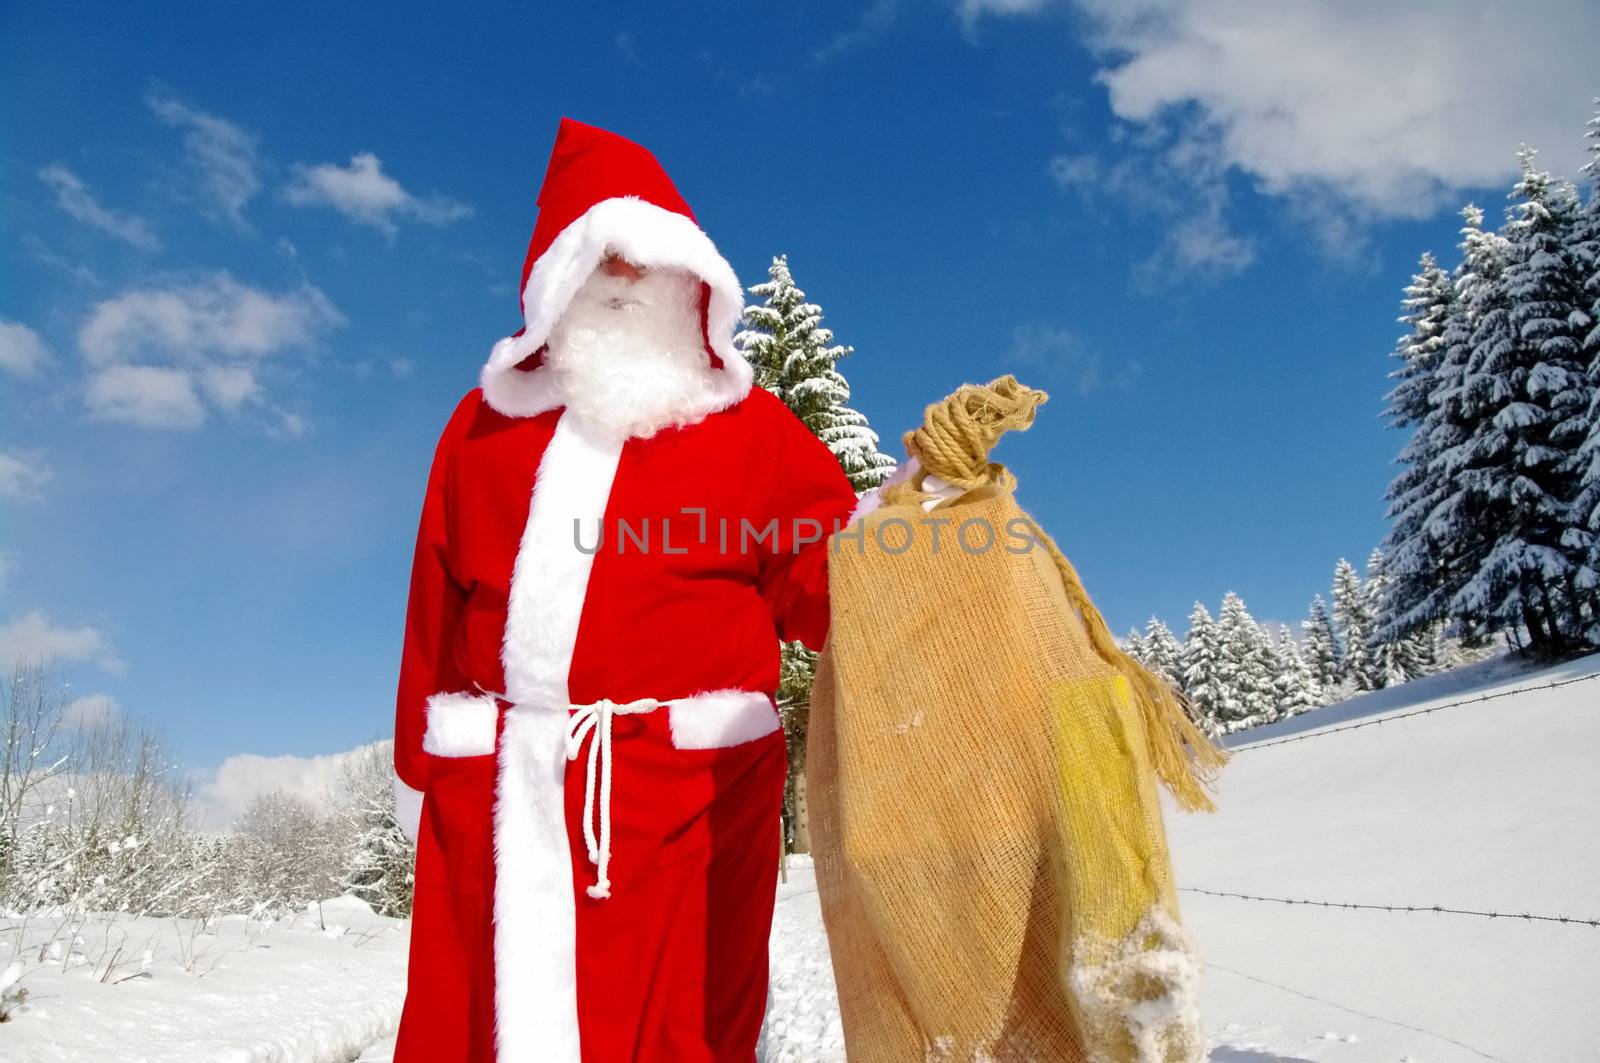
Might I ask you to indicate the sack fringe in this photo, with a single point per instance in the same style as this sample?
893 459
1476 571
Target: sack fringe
953 444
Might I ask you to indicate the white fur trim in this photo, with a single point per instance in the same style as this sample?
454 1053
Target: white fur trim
408 810
718 718
460 725
535 916
646 235
551 574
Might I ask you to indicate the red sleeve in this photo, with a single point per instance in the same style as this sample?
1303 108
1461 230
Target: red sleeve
433 610
810 497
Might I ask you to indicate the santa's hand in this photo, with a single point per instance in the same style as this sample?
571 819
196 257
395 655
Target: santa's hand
906 472
407 810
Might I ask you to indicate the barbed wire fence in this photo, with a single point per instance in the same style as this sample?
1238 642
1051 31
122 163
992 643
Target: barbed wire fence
1379 721
1437 909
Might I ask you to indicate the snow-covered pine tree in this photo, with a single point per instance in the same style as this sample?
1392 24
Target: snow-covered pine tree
1394 660
1202 651
1163 654
1295 683
1321 646
1353 623
1428 305
1585 244
796 666
1245 667
795 358
1133 645
1526 397
1454 534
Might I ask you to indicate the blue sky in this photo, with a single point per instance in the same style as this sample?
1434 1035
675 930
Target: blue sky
252 257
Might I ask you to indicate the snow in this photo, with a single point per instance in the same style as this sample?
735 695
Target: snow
319 986
1488 804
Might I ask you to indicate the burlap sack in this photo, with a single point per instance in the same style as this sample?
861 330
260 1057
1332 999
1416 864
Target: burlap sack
989 846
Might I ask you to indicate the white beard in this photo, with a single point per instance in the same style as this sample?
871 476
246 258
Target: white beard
628 357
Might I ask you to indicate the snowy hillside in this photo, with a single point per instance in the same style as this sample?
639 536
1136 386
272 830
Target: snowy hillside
1488 805
1476 791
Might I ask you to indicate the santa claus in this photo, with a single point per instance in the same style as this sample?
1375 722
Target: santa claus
616 533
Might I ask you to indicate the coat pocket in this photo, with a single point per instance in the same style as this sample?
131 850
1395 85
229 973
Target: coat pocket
456 847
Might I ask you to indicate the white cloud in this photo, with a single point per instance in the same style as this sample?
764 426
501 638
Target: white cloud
221 156
1396 107
34 636
22 474
1354 111
42 253
213 315
226 792
22 351
91 711
876 17
145 396
230 386
365 194
158 356
970 11
74 197
1061 354
1180 184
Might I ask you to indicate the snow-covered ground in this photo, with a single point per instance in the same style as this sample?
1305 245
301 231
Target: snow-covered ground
320 986
1488 805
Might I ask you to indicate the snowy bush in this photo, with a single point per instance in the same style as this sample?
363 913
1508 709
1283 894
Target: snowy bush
96 818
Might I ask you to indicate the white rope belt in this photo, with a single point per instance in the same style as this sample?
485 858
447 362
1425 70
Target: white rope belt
592 723
596 717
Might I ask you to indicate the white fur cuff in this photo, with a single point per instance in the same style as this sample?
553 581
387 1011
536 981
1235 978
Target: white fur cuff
460 725
407 809
719 718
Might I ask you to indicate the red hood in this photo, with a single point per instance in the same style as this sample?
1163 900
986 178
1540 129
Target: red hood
603 193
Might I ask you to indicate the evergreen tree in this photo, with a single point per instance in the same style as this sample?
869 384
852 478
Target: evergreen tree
1135 647
1394 660
1246 667
1295 683
1163 654
1455 533
1585 245
1526 397
1353 623
795 358
1321 648
1202 669
796 667
1428 305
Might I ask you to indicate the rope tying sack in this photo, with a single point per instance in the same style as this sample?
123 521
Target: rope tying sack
953 444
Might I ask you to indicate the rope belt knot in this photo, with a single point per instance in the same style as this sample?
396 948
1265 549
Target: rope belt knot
595 718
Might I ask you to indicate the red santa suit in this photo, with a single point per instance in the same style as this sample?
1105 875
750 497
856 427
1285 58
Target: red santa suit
585 713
